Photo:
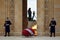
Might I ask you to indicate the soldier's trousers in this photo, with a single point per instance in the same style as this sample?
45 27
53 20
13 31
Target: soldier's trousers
52 33
7 33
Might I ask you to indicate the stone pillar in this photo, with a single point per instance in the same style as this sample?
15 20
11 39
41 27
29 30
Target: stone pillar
51 9
18 17
57 16
2 16
6 10
49 13
40 17
11 14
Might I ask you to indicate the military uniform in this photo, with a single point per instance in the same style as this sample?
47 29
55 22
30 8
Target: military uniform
7 27
52 27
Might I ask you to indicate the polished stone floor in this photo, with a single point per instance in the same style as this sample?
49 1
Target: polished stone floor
29 38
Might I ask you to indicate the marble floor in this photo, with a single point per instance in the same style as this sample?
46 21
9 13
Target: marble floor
29 38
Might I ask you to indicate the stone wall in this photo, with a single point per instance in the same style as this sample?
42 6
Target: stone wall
57 15
46 9
49 14
13 10
52 9
18 17
2 16
40 17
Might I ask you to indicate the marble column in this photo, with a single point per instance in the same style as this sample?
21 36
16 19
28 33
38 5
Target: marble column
2 16
11 14
18 18
49 14
40 17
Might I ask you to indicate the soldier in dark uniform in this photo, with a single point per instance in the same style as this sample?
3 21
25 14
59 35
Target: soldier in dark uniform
29 13
52 27
7 27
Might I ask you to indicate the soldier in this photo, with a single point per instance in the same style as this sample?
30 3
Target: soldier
52 27
7 27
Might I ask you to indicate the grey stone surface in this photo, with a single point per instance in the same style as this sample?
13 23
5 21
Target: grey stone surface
28 38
